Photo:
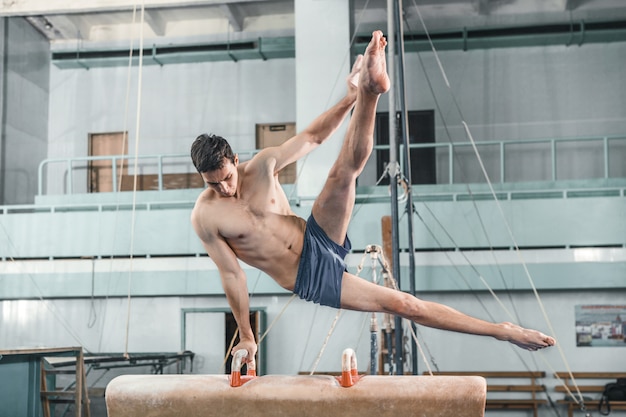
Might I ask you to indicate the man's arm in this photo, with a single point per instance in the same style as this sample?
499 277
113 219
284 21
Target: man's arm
236 289
234 283
319 130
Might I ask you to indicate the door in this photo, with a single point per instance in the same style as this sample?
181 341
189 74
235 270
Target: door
273 135
100 172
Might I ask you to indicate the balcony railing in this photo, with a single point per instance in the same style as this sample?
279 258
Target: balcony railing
533 160
550 159
158 165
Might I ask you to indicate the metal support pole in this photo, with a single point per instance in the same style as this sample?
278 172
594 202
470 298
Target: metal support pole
393 175
373 345
373 320
404 130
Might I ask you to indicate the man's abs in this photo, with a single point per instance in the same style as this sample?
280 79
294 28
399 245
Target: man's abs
272 244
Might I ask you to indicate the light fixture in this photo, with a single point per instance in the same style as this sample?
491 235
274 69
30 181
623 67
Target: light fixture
46 23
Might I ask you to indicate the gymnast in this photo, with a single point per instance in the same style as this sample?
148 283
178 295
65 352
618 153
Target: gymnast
244 213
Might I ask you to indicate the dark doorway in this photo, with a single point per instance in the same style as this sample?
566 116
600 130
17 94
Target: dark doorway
231 328
421 130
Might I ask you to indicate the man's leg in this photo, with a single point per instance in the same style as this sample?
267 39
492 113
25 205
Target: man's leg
361 295
333 207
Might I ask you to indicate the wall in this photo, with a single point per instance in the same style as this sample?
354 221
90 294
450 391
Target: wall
25 92
65 250
322 63
155 326
3 47
178 102
522 93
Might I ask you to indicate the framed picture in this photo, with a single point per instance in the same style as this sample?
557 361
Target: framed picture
600 325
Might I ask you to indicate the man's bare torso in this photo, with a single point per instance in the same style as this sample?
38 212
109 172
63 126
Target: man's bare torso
257 224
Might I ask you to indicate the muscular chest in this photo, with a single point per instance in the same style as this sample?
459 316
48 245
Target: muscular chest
251 214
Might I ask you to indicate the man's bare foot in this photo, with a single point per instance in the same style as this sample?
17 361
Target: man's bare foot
526 338
374 78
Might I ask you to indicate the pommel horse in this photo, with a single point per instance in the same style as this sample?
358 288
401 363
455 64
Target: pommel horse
349 395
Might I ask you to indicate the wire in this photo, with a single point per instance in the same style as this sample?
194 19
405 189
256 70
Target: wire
135 174
497 202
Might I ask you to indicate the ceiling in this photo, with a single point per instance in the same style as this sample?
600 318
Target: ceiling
91 24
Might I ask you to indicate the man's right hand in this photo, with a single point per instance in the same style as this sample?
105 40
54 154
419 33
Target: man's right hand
249 345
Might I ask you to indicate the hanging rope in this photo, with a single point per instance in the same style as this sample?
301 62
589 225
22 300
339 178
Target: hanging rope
135 176
93 315
499 206
120 169
434 216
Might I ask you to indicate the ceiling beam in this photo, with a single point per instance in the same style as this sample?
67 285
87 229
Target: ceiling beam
70 27
234 17
574 4
436 2
482 7
154 19
45 7
60 27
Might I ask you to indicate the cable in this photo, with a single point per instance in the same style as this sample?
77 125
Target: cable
499 206
135 174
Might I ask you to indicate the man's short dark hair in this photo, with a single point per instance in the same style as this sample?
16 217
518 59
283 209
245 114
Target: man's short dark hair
208 152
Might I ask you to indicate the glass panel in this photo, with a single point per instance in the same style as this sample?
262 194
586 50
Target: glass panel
527 162
467 168
443 165
617 158
577 160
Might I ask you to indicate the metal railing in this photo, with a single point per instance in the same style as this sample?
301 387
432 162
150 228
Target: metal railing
611 148
156 162
608 144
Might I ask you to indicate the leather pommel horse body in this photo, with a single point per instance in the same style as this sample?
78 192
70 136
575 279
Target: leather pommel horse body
295 396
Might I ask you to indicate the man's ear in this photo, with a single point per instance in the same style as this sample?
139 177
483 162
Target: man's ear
236 159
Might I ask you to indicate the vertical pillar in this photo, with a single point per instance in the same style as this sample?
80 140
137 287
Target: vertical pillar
322 64
3 77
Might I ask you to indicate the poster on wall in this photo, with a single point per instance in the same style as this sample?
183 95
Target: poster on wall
601 325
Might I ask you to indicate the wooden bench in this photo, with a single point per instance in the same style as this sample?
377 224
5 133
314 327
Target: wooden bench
516 390
591 391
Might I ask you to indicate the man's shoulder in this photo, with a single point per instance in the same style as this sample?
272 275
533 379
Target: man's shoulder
204 219
205 197
204 203
265 157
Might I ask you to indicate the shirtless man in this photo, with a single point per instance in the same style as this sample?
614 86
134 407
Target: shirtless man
245 214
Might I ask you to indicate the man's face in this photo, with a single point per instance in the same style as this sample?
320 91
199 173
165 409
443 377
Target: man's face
223 180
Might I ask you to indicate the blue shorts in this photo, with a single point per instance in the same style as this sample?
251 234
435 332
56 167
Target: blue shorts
321 267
